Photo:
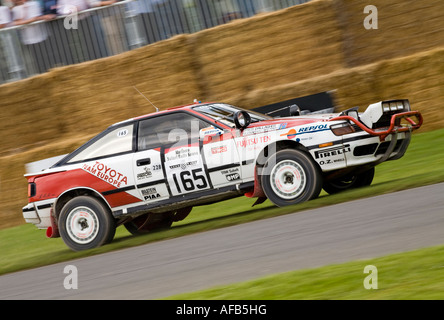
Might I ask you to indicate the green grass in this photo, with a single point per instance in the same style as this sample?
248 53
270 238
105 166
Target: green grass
25 247
415 275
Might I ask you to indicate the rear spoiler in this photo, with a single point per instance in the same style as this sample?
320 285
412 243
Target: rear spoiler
41 166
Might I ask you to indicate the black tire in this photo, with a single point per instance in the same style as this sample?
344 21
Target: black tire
86 223
350 181
149 222
289 177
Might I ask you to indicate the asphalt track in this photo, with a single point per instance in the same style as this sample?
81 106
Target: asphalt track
354 230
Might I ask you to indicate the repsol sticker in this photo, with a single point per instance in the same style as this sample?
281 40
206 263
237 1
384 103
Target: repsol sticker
318 127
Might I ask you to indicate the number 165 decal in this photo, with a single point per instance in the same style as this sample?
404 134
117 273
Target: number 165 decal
187 181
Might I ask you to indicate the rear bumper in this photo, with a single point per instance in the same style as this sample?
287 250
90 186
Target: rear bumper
38 213
30 214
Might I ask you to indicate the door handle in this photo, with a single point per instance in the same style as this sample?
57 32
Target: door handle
143 162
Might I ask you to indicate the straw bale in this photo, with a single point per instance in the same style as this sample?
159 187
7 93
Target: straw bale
419 78
285 46
251 62
404 28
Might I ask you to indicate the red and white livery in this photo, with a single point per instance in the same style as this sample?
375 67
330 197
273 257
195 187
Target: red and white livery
148 172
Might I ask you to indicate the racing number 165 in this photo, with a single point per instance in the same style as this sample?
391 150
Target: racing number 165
189 181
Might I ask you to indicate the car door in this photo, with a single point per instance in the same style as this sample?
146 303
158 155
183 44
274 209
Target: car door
221 156
169 162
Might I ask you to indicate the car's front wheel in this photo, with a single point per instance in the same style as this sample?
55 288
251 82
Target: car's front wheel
289 177
86 223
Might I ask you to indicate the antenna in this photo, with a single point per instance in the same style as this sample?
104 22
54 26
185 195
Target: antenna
157 110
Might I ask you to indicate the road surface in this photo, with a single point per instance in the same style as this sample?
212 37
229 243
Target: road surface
354 230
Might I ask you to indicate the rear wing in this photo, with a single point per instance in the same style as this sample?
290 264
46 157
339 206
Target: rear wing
39 167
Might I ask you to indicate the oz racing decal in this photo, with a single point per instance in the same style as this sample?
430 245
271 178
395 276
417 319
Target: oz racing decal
107 174
332 155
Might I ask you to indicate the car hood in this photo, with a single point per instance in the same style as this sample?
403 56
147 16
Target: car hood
294 121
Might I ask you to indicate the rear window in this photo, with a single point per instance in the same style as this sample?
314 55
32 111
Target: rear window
119 140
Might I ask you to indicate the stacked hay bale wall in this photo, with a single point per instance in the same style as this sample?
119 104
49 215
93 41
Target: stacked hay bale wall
318 46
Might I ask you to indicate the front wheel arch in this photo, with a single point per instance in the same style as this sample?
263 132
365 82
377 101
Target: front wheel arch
270 150
291 176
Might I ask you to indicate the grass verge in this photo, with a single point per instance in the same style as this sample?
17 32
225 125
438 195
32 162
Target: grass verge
415 275
26 247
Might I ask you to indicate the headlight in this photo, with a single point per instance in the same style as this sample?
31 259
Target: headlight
342 128
395 105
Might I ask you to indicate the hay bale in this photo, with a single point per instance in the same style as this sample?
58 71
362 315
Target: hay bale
276 48
404 28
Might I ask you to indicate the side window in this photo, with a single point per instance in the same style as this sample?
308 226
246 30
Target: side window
116 141
179 127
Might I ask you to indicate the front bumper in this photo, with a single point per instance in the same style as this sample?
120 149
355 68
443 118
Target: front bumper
387 139
394 127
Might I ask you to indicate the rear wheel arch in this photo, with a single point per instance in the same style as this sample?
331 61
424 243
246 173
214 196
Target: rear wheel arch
65 197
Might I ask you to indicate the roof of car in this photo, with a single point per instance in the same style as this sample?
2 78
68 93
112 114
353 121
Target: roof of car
183 107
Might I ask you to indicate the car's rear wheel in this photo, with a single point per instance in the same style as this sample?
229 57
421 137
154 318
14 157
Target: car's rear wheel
86 223
350 181
289 177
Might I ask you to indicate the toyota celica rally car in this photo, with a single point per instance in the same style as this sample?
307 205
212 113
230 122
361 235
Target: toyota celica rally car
148 172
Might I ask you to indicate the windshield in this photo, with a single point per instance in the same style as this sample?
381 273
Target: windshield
225 113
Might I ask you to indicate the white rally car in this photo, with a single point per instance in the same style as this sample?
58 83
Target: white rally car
148 172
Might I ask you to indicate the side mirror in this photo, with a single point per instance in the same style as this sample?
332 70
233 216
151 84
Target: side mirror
242 119
352 112
295 110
